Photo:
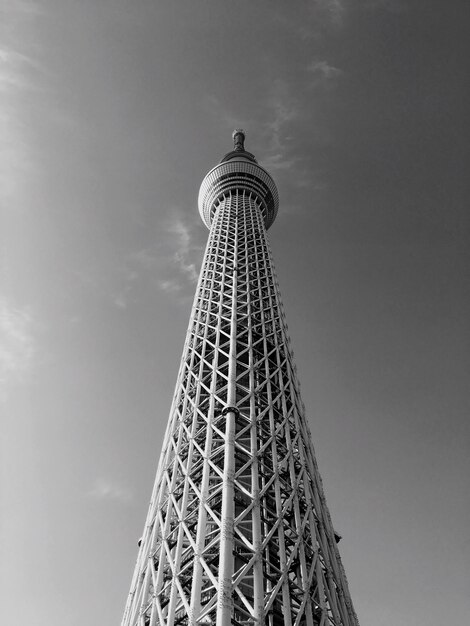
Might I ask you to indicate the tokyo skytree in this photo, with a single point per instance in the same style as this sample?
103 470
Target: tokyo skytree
238 530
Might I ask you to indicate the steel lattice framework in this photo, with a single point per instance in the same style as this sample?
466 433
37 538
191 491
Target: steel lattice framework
238 530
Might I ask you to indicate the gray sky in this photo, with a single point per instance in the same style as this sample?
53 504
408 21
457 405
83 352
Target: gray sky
111 114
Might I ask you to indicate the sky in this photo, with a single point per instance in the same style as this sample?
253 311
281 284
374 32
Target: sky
111 114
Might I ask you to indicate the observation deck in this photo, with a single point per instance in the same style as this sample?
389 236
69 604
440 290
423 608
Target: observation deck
238 171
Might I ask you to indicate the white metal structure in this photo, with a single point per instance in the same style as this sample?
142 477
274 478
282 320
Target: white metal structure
238 531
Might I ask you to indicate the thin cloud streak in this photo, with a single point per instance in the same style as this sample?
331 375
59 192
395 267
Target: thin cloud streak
169 286
322 70
335 10
18 85
284 108
107 490
290 113
171 262
319 16
182 234
17 347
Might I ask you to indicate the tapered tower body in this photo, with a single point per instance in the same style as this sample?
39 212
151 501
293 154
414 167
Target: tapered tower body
238 531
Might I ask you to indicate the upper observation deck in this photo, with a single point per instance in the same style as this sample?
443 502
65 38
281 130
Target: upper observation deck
238 171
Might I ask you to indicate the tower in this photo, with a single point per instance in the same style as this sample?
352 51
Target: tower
238 530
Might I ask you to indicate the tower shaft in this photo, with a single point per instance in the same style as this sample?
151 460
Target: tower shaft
238 531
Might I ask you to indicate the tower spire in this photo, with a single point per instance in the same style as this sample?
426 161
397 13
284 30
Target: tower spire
238 137
238 530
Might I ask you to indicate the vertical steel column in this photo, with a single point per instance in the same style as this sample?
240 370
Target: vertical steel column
258 578
224 599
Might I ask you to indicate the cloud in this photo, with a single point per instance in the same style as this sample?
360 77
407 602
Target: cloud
278 161
335 9
319 17
15 158
282 109
170 286
170 263
18 9
183 240
145 258
295 112
322 70
120 300
182 273
16 344
18 83
104 489
283 104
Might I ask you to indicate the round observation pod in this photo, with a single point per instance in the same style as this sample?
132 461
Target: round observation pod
238 172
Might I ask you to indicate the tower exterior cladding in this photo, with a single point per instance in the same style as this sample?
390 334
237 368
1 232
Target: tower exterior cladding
238 530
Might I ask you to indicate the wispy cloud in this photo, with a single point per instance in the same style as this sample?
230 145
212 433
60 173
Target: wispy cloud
183 240
313 18
17 347
282 110
279 161
14 153
170 286
171 263
18 82
295 122
130 276
105 489
335 9
322 70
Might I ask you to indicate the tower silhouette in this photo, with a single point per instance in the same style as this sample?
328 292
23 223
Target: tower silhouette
238 530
